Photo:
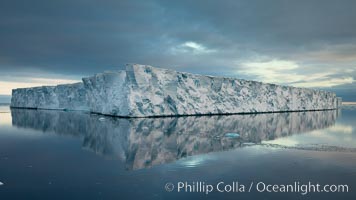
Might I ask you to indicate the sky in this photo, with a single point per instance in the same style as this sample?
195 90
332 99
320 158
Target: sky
304 43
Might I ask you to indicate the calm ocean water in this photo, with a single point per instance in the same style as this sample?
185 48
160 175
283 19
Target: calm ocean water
75 155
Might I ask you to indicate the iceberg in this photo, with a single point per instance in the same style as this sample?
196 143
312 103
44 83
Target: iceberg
146 91
60 97
232 135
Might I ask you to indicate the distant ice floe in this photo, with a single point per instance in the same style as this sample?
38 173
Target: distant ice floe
232 135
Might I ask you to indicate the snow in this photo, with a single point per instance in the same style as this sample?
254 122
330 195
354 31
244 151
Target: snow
144 91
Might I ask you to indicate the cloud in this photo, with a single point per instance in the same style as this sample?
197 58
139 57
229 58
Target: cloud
302 43
7 86
191 47
326 83
273 71
289 73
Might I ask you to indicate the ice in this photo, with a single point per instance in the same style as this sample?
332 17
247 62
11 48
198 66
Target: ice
146 91
60 97
232 135
107 93
142 91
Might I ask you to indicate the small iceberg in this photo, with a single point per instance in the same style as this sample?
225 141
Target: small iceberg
101 119
232 135
1 183
248 143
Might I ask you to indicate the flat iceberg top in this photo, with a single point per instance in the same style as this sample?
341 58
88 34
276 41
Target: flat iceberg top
146 91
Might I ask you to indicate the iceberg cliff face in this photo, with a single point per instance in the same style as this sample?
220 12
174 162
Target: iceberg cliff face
143 91
60 97
108 93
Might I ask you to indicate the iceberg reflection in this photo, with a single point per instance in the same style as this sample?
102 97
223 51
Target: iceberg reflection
144 142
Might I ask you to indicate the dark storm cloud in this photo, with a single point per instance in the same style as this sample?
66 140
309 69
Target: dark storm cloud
73 35
81 37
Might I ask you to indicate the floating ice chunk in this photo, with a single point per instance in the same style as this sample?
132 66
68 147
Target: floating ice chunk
101 119
248 143
217 137
232 135
1 183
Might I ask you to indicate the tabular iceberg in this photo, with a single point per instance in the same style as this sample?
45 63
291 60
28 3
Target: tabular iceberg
60 97
146 91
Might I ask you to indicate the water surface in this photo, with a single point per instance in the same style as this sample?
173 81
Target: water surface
74 155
